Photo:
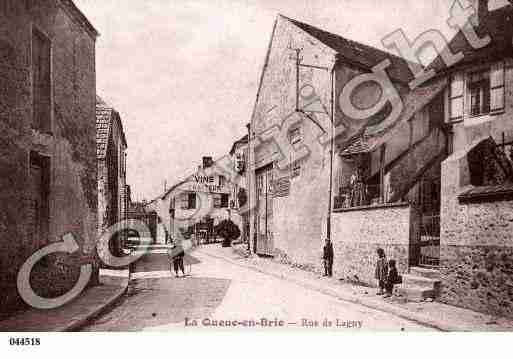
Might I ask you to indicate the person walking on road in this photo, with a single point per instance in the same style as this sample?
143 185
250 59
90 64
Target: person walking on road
176 254
327 258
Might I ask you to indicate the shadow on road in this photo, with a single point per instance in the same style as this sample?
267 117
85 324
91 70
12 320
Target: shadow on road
157 299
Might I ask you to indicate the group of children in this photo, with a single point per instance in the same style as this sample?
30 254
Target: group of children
386 274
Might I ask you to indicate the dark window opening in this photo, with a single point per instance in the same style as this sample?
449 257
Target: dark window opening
38 216
191 201
41 82
225 199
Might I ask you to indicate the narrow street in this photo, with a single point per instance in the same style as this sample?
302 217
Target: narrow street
217 290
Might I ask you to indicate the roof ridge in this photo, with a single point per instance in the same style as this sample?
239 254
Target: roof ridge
350 41
358 53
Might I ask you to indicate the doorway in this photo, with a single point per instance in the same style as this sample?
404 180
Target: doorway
264 211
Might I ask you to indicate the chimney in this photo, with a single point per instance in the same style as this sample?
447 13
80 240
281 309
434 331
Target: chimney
207 162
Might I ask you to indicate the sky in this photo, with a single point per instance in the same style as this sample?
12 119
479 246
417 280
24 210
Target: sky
184 74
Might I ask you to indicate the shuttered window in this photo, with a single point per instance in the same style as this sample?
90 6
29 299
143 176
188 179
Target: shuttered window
479 91
456 97
497 87
188 201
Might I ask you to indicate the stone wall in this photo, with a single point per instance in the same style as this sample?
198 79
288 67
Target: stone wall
476 251
71 147
358 232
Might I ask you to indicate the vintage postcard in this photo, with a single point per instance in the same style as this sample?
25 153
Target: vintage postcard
249 165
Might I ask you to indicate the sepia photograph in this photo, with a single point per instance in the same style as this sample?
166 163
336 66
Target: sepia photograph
255 166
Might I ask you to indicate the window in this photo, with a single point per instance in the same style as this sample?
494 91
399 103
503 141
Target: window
222 181
188 201
484 92
191 199
221 200
295 169
479 91
225 199
41 82
295 135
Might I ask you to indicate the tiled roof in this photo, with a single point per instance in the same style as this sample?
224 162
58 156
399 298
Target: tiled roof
498 25
105 114
103 127
359 53
240 141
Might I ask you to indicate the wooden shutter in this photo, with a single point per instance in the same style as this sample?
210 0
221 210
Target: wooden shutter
497 87
184 199
456 97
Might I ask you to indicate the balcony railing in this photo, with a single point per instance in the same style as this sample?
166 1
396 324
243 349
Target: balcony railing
359 195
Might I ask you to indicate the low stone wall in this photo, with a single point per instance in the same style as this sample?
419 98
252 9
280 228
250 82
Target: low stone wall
478 278
358 232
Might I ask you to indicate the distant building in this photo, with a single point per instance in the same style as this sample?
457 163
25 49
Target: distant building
47 153
193 206
138 211
111 152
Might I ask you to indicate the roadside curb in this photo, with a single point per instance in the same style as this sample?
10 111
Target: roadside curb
81 322
369 303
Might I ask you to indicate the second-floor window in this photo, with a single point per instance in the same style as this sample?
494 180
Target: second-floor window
41 82
477 93
188 201
221 200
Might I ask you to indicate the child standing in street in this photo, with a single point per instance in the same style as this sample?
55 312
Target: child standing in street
392 278
381 272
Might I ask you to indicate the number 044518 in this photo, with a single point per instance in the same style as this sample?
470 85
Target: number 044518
25 341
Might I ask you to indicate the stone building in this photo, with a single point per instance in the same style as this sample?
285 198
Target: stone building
296 112
195 205
111 152
476 247
47 153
